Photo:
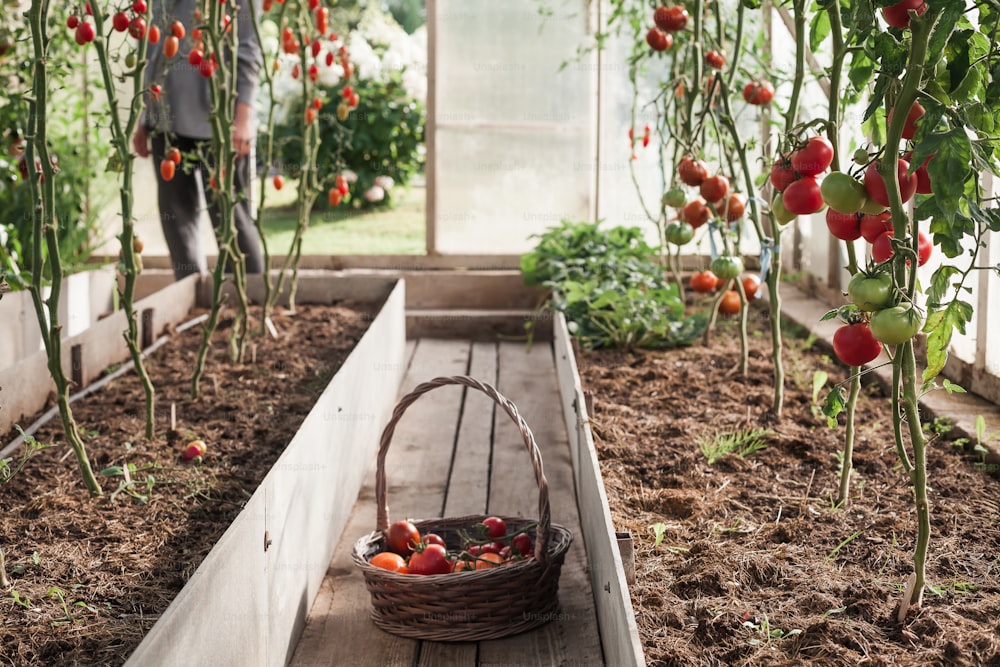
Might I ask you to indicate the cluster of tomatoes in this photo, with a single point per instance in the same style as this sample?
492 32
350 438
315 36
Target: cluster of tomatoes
714 190
794 178
881 318
707 282
668 20
135 24
407 552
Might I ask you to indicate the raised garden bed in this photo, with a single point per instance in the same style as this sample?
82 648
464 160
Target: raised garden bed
224 557
757 565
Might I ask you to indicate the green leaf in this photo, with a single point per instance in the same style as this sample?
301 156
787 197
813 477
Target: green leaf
819 381
943 30
830 314
941 284
835 404
939 328
819 30
952 388
950 167
112 471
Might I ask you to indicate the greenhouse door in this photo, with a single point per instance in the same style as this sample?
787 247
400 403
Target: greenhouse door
511 129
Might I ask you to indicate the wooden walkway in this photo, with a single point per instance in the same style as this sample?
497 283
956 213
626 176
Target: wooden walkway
452 455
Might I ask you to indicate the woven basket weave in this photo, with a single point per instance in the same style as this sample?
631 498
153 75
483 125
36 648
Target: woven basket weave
472 605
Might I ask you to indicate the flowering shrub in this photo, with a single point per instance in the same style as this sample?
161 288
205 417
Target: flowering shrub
381 140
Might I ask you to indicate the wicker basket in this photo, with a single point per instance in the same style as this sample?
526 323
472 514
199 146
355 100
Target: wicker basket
472 605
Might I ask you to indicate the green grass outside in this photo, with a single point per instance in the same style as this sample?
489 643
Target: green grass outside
343 231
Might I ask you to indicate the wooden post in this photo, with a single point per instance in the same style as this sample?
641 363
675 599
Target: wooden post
76 363
626 549
147 327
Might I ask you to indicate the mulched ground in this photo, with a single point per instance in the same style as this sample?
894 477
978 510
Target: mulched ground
117 562
749 571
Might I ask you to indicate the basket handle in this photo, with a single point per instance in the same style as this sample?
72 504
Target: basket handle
544 515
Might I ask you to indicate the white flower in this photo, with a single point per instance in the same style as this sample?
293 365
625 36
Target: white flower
374 194
384 182
365 60
350 176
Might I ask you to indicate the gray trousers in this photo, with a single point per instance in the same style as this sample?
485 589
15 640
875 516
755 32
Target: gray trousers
181 199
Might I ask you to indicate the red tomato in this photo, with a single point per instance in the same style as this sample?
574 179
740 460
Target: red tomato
882 247
704 282
167 168
730 304
731 209
154 34
279 181
177 30
751 283
195 57
714 188
659 40
782 174
898 15
139 6
522 544
758 92
814 158
875 186
715 60
670 19
341 184
137 27
874 225
401 537
692 172
844 226
85 33
120 21
390 561
696 213
923 176
912 117
170 46
495 527
310 115
461 565
72 21
433 538
322 20
803 197
432 559
174 156
924 248
334 197
855 345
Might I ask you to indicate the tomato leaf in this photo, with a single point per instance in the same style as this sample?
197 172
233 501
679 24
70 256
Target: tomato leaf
819 30
949 169
943 30
939 327
830 314
835 404
940 284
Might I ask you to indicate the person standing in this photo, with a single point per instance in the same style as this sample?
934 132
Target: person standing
179 118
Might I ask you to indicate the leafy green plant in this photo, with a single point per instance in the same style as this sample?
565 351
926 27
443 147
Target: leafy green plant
743 442
8 468
611 292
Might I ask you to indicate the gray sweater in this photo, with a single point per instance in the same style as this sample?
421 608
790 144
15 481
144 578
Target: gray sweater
185 102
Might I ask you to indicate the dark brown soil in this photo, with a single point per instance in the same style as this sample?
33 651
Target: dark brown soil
757 565
116 561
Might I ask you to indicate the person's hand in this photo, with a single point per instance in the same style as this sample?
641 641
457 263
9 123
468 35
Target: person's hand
140 141
243 129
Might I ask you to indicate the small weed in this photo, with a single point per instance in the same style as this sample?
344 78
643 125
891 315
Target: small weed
31 447
128 484
658 530
957 587
744 442
765 632
60 594
18 600
830 556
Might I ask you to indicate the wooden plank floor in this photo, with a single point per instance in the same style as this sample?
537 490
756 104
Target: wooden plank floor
454 454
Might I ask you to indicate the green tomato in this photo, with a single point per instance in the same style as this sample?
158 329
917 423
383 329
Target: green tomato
727 267
872 207
675 197
130 60
861 157
842 193
896 325
679 233
781 214
870 292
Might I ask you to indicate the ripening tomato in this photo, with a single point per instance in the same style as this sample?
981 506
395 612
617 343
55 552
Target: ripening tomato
334 197
727 267
488 561
844 226
401 537
874 225
72 21
341 184
174 155
153 35
390 561
170 46
924 249
279 181
803 197
495 527
692 172
310 115
870 292
674 197
781 214
814 158
167 168
704 282
459 565
898 15
923 176
678 233
670 19
842 193
758 92
195 448
432 559
715 59
882 247
177 30
659 40
876 188
855 345
714 188
751 283
434 538
730 303
322 20
696 213
782 174
731 208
